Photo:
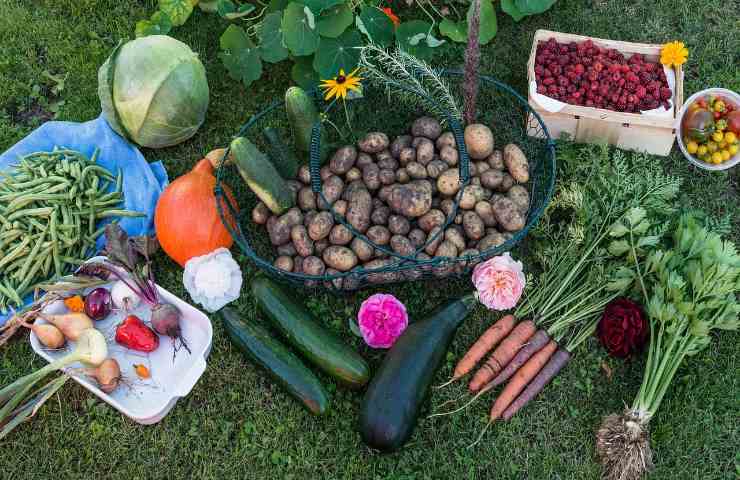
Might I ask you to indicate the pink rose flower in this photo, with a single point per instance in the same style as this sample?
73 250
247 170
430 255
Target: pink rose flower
382 319
499 282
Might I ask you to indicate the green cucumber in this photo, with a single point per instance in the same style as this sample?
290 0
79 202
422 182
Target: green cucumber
302 115
317 344
261 176
282 365
282 156
393 399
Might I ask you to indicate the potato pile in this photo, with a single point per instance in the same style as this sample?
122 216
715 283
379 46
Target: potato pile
399 194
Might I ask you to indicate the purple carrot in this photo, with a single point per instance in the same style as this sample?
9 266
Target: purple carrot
534 345
548 372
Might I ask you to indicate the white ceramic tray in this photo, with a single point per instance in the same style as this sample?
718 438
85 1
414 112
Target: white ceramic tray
146 401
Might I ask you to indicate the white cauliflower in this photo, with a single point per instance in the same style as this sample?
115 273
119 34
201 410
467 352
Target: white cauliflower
213 280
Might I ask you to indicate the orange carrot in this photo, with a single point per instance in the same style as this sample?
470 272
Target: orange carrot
503 354
482 346
521 378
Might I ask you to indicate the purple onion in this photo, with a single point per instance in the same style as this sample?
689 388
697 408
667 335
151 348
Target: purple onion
98 304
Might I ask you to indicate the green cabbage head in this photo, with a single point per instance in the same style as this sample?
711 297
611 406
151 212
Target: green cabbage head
153 91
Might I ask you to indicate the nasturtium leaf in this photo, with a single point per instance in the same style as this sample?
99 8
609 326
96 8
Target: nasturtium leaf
231 11
271 39
338 53
310 17
334 21
178 10
303 73
408 32
240 56
533 7
508 6
318 6
488 25
158 24
276 6
298 36
455 31
433 41
376 25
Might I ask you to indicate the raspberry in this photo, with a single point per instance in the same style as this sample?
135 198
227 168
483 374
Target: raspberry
539 70
541 89
598 66
666 105
561 91
603 90
552 88
576 95
631 87
589 103
563 82
571 88
548 81
615 98
546 73
665 93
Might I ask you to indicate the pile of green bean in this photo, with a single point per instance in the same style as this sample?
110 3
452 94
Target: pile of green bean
50 203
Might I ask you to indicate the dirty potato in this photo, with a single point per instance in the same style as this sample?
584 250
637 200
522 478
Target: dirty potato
433 218
320 225
424 151
260 213
353 174
380 215
371 176
506 183
339 258
416 170
427 127
435 237
378 234
287 250
279 230
363 159
447 139
407 155
320 246
492 178
332 189
484 209
401 245
491 240
479 141
302 242
340 207
374 142
340 235
435 168
413 199
448 182
304 174
473 194
516 163
449 155
362 249
284 263
398 225
306 199
313 265
386 160
359 209
473 226
454 236
387 176
399 143
496 160
520 196
417 237
402 175
508 215
343 159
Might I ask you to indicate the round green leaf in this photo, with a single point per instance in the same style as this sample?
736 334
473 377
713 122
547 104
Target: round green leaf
178 10
239 55
303 73
508 6
376 25
334 21
531 7
410 37
271 39
488 25
338 53
318 6
298 35
457 32
231 11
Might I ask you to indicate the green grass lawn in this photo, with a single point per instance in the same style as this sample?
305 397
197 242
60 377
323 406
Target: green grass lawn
236 423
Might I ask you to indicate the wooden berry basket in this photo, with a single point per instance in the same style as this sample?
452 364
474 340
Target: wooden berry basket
629 131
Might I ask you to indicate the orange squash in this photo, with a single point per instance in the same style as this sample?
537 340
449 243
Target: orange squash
186 218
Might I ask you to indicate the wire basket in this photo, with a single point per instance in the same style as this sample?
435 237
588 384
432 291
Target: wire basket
499 106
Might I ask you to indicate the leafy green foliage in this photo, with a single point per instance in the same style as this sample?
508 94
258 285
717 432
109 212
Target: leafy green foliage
240 56
158 24
334 21
299 30
518 9
178 10
303 73
458 31
413 37
231 11
271 39
338 53
320 6
509 6
375 25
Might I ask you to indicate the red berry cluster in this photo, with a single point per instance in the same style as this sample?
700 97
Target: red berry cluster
592 76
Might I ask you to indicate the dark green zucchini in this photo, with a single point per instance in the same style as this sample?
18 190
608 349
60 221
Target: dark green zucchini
391 405
317 344
282 365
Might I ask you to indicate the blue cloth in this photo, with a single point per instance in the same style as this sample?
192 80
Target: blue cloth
142 182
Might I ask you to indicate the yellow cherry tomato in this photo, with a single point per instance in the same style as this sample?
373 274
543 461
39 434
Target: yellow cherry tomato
716 157
711 147
719 106
730 137
702 150
725 155
733 149
692 147
722 145
718 136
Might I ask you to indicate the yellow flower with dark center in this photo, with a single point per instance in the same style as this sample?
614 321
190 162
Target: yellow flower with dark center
673 54
338 86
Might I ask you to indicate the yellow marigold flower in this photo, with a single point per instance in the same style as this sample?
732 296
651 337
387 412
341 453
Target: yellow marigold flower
338 86
673 54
